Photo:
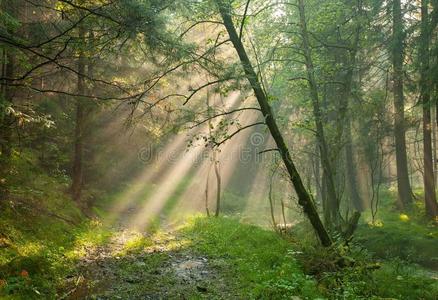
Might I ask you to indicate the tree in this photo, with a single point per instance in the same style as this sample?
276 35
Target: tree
77 176
425 99
8 69
67 36
304 198
331 210
397 50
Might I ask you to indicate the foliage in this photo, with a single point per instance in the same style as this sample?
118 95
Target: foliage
76 73
351 272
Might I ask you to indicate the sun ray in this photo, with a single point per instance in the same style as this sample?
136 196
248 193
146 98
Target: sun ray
153 205
230 157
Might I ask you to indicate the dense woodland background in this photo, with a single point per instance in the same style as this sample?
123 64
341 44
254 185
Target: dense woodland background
296 116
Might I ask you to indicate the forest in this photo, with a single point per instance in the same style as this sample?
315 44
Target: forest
219 149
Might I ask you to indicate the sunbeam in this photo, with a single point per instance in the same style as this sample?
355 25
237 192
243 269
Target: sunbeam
180 166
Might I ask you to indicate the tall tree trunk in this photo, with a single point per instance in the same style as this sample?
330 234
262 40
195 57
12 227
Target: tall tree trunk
350 162
304 198
6 99
353 190
434 153
207 210
317 174
77 182
434 78
215 165
403 184
425 87
435 100
351 169
218 184
325 200
325 160
271 201
6 121
89 110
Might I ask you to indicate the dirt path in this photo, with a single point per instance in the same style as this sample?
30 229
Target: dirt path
135 265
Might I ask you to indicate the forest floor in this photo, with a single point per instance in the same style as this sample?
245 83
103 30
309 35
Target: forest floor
217 259
49 250
134 265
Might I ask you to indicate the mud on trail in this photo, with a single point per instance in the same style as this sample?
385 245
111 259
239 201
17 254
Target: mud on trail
133 265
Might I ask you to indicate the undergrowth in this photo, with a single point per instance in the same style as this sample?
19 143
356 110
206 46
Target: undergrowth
42 233
267 266
407 236
260 262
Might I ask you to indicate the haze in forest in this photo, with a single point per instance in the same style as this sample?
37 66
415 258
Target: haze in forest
218 149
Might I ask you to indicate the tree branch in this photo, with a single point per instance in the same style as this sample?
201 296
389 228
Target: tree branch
217 144
242 24
223 114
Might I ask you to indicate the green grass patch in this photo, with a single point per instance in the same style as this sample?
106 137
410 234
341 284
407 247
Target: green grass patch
394 235
263 265
42 233
259 262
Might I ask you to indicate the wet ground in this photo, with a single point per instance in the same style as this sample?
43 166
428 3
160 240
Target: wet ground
134 265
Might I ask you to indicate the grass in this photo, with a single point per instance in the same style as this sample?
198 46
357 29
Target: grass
264 265
259 262
35 259
42 233
34 264
394 235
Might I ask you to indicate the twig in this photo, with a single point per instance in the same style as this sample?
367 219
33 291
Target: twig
242 24
217 144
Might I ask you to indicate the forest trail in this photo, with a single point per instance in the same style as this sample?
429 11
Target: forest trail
147 265
161 262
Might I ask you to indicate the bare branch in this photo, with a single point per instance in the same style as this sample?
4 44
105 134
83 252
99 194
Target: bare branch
299 78
242 24
198 23
268 150
195 91
217 144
